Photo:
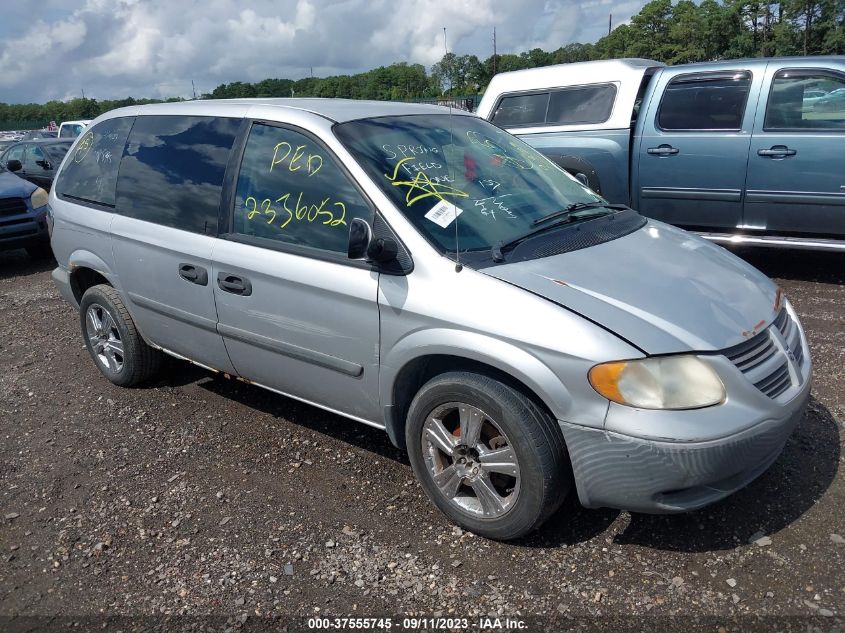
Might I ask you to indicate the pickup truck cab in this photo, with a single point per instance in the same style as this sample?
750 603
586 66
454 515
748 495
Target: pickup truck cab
740 151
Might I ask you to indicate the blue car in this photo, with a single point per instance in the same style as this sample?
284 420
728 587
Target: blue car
23 216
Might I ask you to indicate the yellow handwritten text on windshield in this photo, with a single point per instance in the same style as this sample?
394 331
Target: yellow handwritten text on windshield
422 186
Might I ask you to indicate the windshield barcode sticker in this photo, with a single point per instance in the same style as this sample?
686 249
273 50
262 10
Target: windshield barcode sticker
443 213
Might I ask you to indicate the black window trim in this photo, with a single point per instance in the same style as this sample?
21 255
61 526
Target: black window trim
838 74
230 183
93 204
709 75
550 92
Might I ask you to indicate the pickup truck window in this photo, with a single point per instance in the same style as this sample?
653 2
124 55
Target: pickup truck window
522 110
705 101
578 105
584 104
806 100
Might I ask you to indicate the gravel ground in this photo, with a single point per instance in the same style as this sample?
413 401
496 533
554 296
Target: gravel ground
197 495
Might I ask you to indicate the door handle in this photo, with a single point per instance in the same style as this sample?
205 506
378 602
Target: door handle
234 284
195 274
777 151
663 150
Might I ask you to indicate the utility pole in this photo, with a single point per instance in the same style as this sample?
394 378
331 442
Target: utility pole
312 72
83 94
609 23
193 89
494 50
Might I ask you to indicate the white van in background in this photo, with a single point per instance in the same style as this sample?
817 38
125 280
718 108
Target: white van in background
72 129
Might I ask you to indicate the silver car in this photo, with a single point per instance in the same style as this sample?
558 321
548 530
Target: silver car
421 271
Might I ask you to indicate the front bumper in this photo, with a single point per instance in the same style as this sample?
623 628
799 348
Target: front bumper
25 229
615 470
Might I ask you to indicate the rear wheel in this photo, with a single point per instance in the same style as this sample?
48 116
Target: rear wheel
490 458
113 340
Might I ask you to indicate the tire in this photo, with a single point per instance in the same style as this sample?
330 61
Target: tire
116 347
40 250
581 169
527 494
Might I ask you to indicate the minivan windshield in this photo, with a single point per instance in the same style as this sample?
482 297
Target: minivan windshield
499 185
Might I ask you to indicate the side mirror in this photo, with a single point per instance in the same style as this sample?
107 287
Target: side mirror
360 236
362 245
14 165
44 164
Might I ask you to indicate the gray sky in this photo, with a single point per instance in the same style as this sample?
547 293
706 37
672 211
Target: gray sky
52 49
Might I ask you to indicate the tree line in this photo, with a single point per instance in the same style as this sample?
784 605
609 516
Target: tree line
672 33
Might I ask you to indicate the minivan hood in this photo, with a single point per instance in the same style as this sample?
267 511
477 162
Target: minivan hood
660 288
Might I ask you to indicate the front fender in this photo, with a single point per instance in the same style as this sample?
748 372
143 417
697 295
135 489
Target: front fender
502 355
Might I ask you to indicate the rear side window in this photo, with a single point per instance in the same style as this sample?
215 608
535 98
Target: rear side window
584 104
90 172
705 101
806 100
57 152
567 106
173 168
522 110
290 189
34 159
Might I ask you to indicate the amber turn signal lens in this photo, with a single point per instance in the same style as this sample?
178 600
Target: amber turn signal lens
605 380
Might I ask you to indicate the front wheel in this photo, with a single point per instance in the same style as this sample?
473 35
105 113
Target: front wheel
490 459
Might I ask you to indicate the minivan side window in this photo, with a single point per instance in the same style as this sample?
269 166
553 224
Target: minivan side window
90 172
806 100
705 101
173 168
290 189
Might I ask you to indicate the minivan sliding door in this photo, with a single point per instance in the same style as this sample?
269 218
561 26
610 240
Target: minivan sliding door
296 314
168 201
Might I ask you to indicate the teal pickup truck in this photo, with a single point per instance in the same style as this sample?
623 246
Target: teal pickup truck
748 151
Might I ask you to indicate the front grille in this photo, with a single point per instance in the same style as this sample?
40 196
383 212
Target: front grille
12 206
776 383
763 362
789 329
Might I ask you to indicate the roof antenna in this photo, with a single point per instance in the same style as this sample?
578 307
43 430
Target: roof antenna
458 266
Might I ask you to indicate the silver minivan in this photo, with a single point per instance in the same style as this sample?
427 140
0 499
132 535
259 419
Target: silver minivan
421 271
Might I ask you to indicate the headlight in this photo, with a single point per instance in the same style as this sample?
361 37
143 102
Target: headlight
669 382
38 198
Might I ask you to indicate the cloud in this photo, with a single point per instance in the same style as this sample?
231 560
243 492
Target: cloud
154 48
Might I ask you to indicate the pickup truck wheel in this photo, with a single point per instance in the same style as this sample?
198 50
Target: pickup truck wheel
112 339
487 456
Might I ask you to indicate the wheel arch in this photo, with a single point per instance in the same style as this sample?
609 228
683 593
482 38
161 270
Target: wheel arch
410 365
85 269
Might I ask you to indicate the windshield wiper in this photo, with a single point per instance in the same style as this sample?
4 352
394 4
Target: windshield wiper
570 217
578 206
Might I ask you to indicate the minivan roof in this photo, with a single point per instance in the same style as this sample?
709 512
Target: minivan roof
338 110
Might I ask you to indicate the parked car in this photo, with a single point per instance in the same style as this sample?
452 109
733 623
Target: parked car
833 102
35 134
732 149
426 273
23 216
72 129
36 160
